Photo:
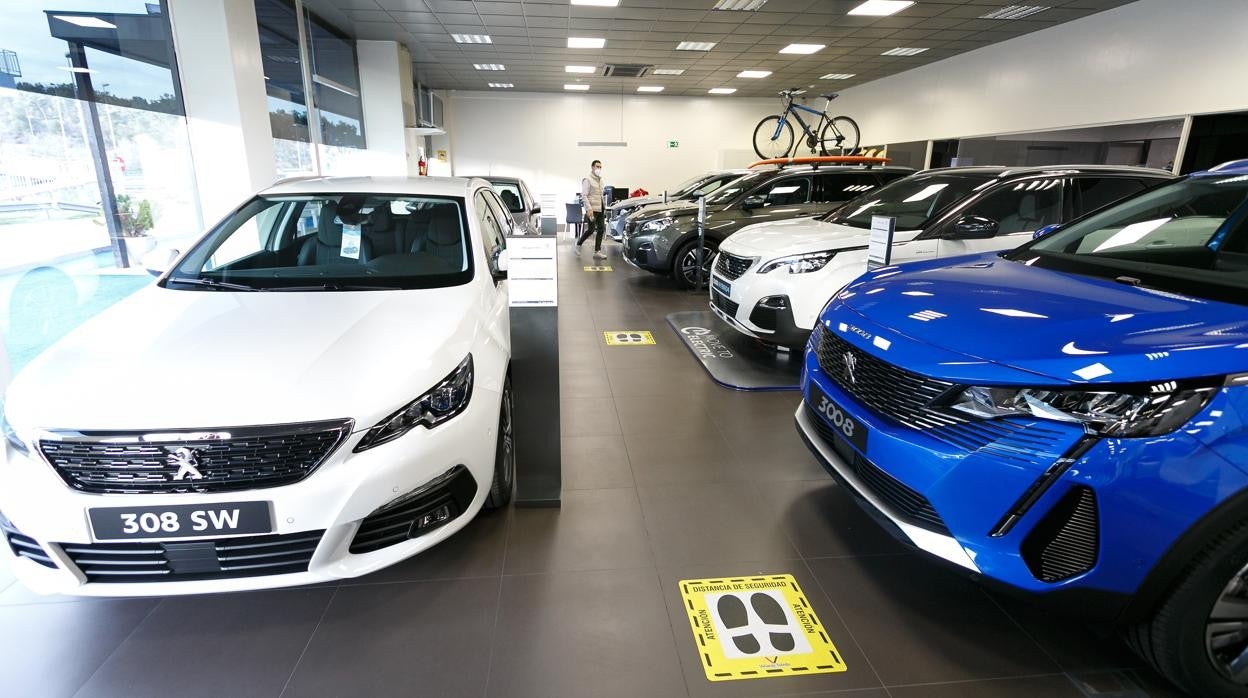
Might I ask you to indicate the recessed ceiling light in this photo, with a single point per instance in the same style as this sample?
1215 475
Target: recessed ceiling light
881 8
722 90
585 42
472 38
754 73
650 88
489 66
739 5
580 88
1015 12
695 46
502 85
84 21
837 76
597 3
668 71
579 69
802 48
903 51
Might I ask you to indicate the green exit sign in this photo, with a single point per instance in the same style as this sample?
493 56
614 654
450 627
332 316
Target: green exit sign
673 144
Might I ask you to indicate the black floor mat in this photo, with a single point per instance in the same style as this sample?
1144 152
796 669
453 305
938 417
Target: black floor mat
732 359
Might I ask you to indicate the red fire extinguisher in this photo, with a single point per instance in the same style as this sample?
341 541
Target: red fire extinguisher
423 164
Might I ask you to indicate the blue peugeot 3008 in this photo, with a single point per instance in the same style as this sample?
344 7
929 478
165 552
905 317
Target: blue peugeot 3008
1069 419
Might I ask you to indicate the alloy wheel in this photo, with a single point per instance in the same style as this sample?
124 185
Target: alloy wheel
1226 630
689 265
509 449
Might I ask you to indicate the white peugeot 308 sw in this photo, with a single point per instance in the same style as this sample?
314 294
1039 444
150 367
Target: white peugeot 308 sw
315 390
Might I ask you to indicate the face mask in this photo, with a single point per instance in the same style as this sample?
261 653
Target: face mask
597 171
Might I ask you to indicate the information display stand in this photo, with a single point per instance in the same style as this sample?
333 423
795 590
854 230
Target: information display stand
533 282
880 248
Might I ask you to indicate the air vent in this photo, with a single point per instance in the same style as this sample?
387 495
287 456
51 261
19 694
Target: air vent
626 70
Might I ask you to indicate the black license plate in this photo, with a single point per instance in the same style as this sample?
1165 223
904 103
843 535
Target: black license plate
842 425
181 521
722 286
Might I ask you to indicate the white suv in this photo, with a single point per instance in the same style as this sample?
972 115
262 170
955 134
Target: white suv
770 281
317 389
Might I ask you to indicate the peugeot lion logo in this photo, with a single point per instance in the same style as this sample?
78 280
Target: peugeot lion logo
851 362
187 462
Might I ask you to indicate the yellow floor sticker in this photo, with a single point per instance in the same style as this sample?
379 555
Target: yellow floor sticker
623 338
757 627
606 268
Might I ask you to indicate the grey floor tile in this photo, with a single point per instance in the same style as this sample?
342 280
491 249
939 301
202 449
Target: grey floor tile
50 650
822 519
698 455
595 462
858 674
588 416
941 623
708 523
647 417
1074 646
1125 683
1052 686
593 530
775 454
583 383
475 551
242 644
419 638
598 634
690 382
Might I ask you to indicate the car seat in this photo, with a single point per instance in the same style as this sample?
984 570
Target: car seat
512 201
441 236
381 231
1029 215
326 246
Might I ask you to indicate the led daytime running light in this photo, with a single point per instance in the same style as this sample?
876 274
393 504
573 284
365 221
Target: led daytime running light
442 402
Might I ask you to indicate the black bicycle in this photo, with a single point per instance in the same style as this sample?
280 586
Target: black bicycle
836 135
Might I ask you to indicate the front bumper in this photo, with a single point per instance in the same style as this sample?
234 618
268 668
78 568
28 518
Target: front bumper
646 252
456 458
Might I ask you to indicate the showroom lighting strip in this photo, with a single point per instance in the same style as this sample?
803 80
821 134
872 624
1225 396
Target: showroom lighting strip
586 42
650 88
1015 12
721 90
881 8
695 46
755 74
489 66
803 49
586 69
502 85
838 76
576 88
903 51
597 3
739 5
668 71
472 38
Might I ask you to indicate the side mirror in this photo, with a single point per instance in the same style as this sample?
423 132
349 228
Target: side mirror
753 202
975 228
500 264
1045 230
536 210
157 262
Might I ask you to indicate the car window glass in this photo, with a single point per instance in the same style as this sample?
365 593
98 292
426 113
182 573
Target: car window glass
492 237
786 191
731 190
505 221
711 185
1023 206
843 186
913 201
510 194
253 236
1095 192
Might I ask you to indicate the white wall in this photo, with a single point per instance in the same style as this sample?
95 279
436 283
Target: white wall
382 86
535 136
1148 59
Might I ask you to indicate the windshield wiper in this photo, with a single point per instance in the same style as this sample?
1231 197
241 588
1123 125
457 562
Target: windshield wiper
333 286
213 284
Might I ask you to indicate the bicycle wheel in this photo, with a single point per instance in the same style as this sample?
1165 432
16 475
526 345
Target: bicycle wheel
840 136
773 138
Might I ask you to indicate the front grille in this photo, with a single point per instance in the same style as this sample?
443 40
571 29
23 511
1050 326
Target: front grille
1066 541
222 558
23 545
903 501
721 301
397 521
226 461
731 267
887 389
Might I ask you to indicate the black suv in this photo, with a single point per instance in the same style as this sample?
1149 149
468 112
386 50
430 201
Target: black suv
663 239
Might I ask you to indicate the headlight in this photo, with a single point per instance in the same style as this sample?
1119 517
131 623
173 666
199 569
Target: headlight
800 263
1108 413
656 225
445 400
11 437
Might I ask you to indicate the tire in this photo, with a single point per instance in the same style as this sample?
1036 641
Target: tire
767 143
1174 641
846 144
504 482
684 263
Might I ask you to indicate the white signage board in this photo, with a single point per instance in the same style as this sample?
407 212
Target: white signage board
880 249
532 272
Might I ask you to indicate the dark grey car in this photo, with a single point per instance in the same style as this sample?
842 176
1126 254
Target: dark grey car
702 185
663 239
520 202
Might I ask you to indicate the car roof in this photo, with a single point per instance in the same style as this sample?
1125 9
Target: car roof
415 186
1002 172
1234 167
794 169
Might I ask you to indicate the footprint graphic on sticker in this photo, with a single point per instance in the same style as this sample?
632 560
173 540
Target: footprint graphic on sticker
732 611
772 614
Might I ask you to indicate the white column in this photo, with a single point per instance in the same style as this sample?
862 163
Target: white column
227 113
389 106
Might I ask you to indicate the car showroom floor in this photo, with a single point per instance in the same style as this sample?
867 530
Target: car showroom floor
666 477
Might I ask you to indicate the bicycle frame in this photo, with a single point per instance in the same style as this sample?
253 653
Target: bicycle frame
792 109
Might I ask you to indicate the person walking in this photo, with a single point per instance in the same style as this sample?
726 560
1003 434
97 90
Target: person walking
593 203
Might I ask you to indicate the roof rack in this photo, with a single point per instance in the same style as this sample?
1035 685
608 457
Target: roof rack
816 161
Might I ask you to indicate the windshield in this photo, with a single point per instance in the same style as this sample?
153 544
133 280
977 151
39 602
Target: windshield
332 242
913 200
732 189
704 185
509 192
1189 236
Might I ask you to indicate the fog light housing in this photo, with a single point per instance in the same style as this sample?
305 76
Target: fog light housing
775 302
435 518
